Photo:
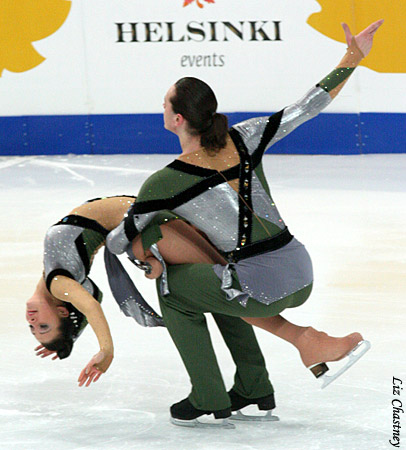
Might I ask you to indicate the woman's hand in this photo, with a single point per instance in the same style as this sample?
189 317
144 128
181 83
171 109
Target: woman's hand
44 352
97 365
365 38
156 268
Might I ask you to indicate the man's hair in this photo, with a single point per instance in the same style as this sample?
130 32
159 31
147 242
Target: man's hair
197 103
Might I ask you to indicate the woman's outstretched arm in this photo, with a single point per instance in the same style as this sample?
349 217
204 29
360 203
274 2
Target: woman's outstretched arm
69 290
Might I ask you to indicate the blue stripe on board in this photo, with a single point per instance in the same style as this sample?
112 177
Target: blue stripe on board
328 133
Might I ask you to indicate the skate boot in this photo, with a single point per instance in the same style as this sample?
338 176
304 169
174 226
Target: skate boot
185 414
266 403
316 348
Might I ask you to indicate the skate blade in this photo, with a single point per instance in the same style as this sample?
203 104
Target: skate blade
222 423
268 417
363 347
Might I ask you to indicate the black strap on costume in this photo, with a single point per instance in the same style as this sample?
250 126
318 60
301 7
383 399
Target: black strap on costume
55 273
83 222
212 178
81 248
130 229
271 128
110 196
267 245
245 208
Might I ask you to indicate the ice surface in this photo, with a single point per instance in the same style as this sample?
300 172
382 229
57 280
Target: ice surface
350 213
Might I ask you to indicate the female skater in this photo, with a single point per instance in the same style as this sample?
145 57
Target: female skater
218 185
66 299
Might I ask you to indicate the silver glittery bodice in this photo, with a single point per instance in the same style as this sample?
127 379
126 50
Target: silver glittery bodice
215 212
60 251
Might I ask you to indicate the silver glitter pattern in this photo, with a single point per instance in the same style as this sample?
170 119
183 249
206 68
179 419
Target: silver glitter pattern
117 241
142 220
251 131
215 212
60 252
164 276
309 106
263 205
300 112
268 277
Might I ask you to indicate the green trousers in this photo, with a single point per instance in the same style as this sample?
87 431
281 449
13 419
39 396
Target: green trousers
195 290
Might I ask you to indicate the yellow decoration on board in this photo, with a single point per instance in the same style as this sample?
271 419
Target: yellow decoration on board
388 53
23 22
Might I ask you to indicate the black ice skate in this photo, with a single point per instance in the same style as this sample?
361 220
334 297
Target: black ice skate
185 414
266 403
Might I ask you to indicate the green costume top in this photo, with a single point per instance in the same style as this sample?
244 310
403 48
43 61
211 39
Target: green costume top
245 225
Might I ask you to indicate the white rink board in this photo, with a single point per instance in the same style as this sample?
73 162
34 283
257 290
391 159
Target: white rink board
86 71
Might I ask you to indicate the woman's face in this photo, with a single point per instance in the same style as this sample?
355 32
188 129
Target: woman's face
169 115
44 317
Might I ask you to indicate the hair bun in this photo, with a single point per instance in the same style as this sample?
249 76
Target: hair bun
65 350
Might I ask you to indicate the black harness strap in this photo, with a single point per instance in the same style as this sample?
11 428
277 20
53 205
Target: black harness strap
83 222
271 128
267 245
245 209
81 248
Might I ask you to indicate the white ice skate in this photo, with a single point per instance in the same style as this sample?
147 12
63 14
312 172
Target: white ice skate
261 407
267 417
319 370
215 423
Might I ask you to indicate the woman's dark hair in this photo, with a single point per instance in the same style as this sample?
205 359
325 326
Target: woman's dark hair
63 344
70 329
195 100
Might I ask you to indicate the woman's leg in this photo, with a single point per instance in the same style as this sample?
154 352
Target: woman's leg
181 244
314 346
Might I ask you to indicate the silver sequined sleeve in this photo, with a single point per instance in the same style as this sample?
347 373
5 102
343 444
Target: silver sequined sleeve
117 241
306 108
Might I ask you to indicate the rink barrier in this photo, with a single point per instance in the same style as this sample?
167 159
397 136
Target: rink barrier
329 133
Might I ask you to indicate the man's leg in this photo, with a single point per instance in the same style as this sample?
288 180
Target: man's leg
251 379
194 290
188 330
